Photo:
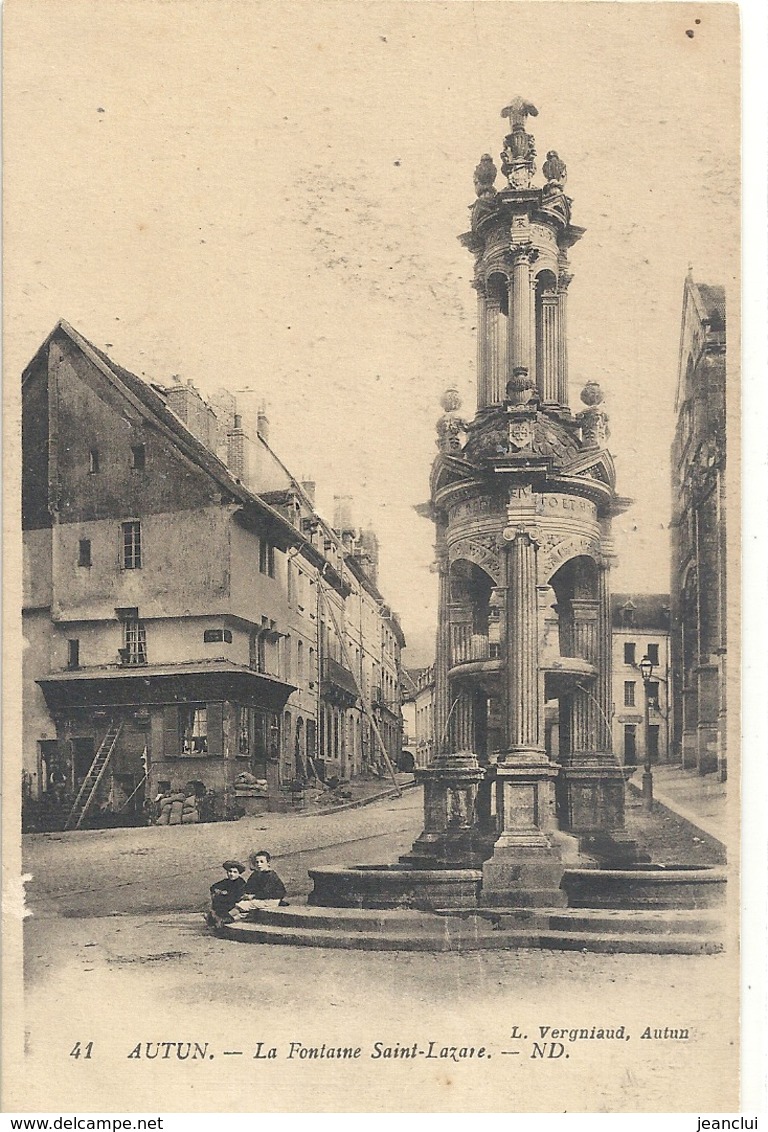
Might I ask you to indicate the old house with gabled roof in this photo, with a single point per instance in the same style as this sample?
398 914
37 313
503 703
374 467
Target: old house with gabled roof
158 609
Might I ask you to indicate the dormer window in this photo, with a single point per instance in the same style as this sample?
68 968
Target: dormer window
628 615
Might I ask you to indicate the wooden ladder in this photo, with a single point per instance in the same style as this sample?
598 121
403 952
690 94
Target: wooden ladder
87 793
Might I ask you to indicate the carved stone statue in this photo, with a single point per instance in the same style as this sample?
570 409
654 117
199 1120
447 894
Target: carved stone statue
520 387
451 429
593 421
554 169
518 110
485 175
517 158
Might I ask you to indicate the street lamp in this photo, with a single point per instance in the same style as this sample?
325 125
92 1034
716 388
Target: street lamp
646 671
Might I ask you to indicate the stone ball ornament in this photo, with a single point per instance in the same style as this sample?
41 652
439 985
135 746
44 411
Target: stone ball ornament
450 401
592 394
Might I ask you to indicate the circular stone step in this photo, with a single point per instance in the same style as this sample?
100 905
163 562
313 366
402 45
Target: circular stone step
424 931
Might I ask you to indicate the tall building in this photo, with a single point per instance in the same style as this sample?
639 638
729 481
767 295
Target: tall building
641 714
183 631
698 543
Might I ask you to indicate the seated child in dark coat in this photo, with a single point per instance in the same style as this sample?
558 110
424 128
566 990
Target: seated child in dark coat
263 889
226 893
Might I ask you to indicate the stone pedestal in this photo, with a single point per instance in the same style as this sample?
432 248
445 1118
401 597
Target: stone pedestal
450 838
526 868
590 800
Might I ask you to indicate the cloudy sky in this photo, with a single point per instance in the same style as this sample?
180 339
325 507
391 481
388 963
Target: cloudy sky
269 195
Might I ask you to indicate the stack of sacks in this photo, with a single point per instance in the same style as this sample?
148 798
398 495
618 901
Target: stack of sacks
190 812
172 809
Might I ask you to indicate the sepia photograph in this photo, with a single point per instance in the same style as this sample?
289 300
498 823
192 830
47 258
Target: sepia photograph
372 547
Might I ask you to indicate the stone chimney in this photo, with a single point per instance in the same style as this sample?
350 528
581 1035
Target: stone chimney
369 546
262 422
237 451
342 521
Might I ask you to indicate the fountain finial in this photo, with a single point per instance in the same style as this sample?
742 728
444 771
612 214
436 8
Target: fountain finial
517 157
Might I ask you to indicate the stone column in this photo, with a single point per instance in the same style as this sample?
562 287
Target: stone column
495 367
591 785
562 338
519 328
604 660
483 398
548 384
525 869
534 370
523 710
461 729
441 704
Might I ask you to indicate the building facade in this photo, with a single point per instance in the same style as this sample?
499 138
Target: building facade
698 529
418 715
182 630
641 716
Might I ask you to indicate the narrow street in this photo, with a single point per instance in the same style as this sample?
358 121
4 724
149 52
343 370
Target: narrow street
123 960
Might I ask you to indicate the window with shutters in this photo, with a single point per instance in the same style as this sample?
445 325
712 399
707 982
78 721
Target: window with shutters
629 693
193 729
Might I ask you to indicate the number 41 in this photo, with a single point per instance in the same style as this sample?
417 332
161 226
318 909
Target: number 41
76 1050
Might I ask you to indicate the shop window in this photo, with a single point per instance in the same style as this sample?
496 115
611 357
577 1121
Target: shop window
84 552
652 652
629 652
138 457
193 729
131 546
629 693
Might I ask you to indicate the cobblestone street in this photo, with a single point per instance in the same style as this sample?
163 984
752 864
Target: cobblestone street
123 960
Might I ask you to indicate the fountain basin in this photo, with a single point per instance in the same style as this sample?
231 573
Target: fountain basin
646 886
391 886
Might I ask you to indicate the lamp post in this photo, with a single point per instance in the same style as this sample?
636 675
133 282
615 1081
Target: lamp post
646 671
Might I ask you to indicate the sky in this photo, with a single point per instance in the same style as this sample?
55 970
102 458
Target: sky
268 195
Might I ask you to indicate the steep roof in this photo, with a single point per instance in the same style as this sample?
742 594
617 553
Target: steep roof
153 405
649 611
713 301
